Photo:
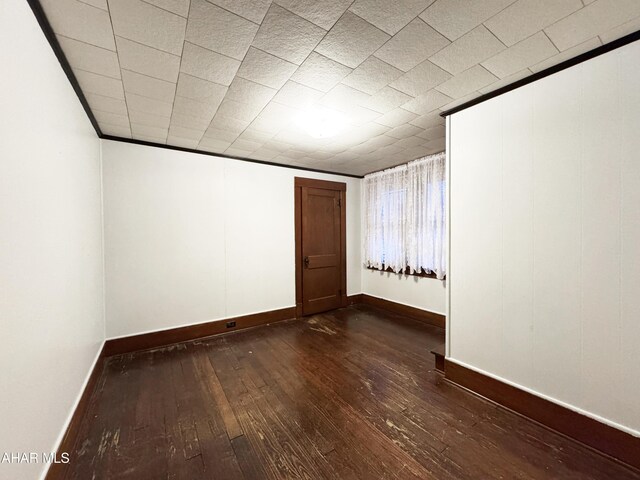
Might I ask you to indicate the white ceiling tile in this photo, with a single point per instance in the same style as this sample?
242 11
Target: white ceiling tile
232 125
466 82
245 91
412 45
242 111
176 141
567 54
620 31
218 135
255 136
149 25
214 28
148 61
528 52
320 72
248 145
102 4
265 69
150 132
80 21
99 84
404 131
186 133
189 121
351 40
357 115
148 86
433 133
273 118
421 79
264 154
390 16
396 117
237 152
323 13
429 120
287 35
454 18
106 104
138 103
341 97
83 56
371 75
207 65
594 19
427 102
459 101
111 118
213 145
408 142
179 7
253 10
194 108
506 81
149 119
386 100
474 47
297 95
151 139
526 17
116 130
198 89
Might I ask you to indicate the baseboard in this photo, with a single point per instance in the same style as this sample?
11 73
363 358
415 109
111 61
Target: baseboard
68 442
425 316
162 338
604 438
354 299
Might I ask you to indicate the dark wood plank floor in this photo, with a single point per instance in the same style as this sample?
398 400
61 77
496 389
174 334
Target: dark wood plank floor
345 395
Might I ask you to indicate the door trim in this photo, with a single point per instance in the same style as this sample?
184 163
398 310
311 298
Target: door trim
300 182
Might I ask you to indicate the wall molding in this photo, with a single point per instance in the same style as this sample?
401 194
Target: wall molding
596 52
605 439
72 432
432 318
162 338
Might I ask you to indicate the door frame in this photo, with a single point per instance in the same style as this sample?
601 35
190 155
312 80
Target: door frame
341 187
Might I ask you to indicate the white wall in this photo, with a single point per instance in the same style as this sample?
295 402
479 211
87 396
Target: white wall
51 279
192 238
545 237
421 292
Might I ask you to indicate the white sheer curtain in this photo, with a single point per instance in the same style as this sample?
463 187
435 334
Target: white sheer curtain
405 217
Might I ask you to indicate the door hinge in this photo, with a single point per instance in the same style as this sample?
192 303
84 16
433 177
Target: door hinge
339 202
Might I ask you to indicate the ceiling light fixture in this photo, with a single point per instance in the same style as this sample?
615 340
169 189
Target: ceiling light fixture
321 122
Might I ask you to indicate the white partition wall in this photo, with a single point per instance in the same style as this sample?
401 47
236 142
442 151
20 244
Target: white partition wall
545 237
51 276
192 238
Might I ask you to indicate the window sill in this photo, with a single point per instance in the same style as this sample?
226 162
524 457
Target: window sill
406 272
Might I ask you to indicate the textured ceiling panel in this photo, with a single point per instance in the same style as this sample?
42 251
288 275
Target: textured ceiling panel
243 77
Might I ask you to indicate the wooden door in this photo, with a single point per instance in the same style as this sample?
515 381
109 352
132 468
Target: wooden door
320 246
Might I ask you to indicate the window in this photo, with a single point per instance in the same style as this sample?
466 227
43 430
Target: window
405 225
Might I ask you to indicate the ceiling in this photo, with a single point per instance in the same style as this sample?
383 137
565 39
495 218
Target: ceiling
234 77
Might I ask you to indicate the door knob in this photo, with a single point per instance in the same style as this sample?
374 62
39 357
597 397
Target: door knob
306 262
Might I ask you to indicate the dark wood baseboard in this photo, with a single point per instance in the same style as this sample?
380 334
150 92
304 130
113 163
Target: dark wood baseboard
354 299
68 443
162 338
425 316
597 435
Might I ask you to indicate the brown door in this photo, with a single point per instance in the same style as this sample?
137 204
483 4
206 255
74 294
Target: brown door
320 245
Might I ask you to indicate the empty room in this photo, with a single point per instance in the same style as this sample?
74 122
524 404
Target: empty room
332 239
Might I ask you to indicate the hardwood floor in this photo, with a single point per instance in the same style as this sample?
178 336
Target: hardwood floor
345 395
